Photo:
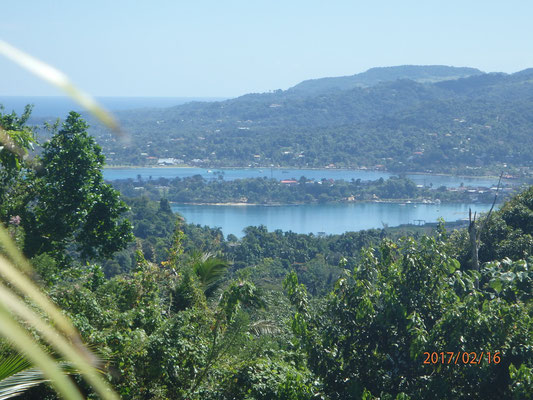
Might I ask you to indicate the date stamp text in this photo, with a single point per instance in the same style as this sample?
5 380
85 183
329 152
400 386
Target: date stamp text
462 357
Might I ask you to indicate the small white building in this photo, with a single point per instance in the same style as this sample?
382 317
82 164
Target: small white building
166 161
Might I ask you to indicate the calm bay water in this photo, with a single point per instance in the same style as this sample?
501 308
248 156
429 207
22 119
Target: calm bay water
277 173
328 218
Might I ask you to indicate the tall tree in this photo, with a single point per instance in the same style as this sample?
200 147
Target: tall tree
72 203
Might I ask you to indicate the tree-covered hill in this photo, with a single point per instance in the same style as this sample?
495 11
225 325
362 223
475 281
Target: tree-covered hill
471 125
418 73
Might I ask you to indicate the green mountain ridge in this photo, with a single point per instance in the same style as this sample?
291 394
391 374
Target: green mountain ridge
373 76
467 125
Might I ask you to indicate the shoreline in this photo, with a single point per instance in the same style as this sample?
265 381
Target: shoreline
184 166
404 202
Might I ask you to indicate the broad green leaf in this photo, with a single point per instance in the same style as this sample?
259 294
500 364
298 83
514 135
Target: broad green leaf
453 265
496 284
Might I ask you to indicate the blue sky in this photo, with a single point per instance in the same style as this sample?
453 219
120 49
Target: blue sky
231 47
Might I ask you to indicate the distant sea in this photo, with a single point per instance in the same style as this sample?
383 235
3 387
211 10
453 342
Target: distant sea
58 107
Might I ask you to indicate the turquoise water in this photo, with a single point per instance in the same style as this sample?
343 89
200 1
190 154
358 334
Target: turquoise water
240 173
328 218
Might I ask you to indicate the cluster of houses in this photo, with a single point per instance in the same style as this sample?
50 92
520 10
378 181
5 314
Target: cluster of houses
168 161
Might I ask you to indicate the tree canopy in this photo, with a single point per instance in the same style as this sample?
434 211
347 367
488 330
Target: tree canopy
64 200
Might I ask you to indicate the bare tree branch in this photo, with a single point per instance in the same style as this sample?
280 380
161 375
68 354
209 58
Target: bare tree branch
493 203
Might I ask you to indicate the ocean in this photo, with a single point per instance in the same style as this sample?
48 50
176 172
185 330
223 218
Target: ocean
58 106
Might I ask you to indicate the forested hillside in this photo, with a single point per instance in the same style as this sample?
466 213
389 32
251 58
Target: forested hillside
470 125
182 312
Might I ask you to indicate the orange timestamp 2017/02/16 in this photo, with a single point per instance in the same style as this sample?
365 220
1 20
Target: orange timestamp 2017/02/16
461 357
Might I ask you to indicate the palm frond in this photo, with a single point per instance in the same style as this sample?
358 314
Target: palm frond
17 382
210 271
264 327
12 365
20 382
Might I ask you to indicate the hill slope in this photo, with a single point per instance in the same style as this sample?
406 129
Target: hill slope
417 73
481 121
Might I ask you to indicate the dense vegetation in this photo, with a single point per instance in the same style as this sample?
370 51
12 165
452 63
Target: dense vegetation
275 252
471 125
60 200
270 191
195 315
